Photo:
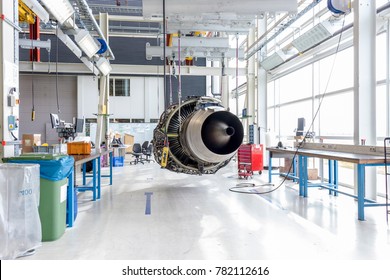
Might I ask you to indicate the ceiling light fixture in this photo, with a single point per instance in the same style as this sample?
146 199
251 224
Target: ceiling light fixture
104 66
61 9
314 36
86 42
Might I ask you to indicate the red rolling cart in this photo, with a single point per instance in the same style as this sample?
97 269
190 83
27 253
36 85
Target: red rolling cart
250 159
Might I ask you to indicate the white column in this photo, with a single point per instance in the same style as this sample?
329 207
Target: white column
262 87
104 26
365 82
388 77
147 100
9 72
251 83
224 85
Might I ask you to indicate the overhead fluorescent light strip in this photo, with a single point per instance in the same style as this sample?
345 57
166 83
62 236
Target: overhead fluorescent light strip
312 38
272 61
104 66
60 9
86 43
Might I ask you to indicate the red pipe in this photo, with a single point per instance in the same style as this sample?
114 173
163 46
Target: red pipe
35 54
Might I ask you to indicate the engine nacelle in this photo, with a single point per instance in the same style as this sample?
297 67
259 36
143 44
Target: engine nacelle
201 136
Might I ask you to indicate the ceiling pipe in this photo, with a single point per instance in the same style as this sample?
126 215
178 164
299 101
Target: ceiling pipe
338 32
285 26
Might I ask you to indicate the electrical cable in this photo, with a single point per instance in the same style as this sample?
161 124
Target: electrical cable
32 76
179 79
57 97
235 189
164 53
15 138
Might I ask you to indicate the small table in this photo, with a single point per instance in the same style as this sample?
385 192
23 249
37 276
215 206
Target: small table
95 184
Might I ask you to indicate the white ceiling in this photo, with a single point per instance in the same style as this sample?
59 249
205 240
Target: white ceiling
198 7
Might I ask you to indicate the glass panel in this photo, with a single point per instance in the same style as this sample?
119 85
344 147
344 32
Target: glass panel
381 57
336 115
381 112
111 88
122 87
296 85
339 76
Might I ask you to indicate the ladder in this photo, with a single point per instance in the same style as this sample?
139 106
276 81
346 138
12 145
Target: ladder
387 174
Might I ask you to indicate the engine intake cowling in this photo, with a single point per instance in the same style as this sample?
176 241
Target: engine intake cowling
201 135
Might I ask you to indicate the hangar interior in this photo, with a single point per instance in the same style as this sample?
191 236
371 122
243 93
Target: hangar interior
250 129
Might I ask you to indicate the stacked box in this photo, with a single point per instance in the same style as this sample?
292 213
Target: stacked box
118 161
79 148
29 141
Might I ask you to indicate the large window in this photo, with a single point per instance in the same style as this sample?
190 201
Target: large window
120 87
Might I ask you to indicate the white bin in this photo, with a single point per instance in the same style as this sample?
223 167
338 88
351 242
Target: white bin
20 226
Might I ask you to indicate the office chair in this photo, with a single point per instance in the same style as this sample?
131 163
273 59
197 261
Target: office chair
148 153
145 146
137 153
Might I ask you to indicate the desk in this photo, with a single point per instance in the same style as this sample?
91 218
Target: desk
281 153
362 161
95 184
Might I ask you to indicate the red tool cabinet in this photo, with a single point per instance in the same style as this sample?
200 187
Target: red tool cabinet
250 159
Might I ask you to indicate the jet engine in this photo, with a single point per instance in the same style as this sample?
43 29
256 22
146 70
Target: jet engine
197 137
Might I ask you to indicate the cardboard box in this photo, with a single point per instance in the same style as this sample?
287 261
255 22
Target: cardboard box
129 142
30 140
79 148
312 173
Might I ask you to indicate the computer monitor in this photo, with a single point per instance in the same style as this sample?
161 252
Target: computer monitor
301 127
55 120
79 125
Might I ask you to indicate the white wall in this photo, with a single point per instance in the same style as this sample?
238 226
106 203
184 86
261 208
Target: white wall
87 96
146 99
9 69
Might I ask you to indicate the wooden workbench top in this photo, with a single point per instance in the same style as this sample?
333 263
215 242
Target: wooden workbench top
332 155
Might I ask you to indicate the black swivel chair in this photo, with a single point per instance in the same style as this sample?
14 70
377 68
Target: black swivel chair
148 153
137 153
144 146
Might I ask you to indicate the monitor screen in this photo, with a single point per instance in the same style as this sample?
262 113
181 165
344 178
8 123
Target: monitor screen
79 125
55 120
301 126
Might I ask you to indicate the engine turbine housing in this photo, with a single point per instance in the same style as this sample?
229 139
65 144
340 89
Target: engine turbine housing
201 135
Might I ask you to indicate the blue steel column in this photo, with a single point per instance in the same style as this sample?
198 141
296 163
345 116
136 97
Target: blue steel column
94 179
336 177
304 173
361 191
330 175
111 168
84 174
70 199
99 184
294 168
300 166
269 167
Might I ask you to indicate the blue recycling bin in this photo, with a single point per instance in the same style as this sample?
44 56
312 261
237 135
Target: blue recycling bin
53 208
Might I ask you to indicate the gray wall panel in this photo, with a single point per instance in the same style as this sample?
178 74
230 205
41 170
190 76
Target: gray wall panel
46 102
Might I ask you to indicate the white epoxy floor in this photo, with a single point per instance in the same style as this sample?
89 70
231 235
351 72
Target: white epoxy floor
197 217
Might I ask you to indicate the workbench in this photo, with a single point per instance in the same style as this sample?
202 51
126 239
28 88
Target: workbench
362 156
93 185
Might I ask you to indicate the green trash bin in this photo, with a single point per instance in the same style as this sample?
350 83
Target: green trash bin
53 191
52 208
